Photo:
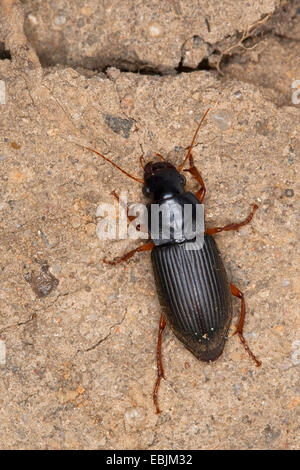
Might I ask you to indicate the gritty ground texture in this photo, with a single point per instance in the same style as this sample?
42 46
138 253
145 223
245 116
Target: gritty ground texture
135 34
77 337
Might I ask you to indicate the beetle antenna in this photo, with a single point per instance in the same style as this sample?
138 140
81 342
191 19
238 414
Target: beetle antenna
160 156
141 162
139 180
193 141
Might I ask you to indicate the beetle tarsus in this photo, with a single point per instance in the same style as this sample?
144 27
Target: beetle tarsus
240 326
160 369
258 363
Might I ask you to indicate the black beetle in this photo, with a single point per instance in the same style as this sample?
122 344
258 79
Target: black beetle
193 289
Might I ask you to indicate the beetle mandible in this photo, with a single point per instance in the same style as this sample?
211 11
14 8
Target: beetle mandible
193 288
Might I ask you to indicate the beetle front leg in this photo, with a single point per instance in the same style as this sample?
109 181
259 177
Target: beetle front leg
234 226
240 326
129 217
160 369
147 247
200 194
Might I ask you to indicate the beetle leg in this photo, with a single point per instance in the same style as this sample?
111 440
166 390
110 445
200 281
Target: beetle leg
200 194
129 217
147 247
239 328
160 369
234 226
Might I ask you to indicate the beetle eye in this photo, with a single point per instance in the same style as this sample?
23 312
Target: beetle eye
146 191
182 180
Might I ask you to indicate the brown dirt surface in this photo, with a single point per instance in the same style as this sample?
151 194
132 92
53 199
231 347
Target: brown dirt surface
78 337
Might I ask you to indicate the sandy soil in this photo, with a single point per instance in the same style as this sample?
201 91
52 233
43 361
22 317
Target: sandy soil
78 337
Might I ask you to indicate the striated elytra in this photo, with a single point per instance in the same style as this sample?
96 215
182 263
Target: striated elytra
195 296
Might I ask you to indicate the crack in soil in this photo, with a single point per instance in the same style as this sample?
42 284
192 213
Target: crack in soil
100 341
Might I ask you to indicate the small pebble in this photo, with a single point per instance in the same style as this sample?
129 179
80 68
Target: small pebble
43 283
132 276
127 101
76 222
296 352
2 353
2 92
291 155
134 418
236 389
56 269
32 19
222 120
154 30
277 193
113 73
271 434
289 192
197 41
284 365
59 20
15 146
246 419
238 94
196 95
296 357
70 395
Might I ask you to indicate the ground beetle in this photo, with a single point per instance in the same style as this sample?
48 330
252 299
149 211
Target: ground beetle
193 289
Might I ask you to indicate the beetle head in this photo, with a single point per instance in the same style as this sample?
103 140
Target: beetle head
161 179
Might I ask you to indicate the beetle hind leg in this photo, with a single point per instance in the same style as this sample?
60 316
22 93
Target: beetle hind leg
240 326
160 369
